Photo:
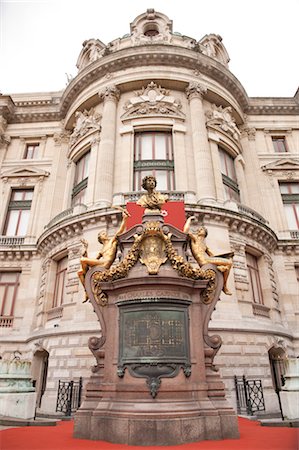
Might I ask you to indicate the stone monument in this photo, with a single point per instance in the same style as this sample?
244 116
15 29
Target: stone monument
155 382
290 390
17 394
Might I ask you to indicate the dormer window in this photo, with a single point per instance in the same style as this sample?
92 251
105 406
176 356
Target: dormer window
151 30
151 33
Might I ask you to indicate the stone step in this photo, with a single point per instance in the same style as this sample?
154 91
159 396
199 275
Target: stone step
16 422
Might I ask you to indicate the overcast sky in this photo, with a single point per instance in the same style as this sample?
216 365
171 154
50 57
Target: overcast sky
41 39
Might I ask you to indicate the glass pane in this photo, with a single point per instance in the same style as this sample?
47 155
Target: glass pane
28 194
23 223
12 222
80 198
161 177
160 146
7 307
279 144
146 146
255 287
17 195
8 277
292 215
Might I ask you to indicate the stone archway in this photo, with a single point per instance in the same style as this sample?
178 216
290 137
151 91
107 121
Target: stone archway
277 357
39 373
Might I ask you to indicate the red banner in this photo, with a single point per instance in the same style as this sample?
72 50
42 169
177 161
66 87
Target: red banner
173 213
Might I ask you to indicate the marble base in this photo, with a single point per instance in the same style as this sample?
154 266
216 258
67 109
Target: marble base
20 405
290 404
155 432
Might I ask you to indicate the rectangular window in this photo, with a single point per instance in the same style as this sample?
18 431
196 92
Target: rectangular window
9 283
279 144
229 177
254 279
60 282
81 180
154 156
31 151
290 197
18 213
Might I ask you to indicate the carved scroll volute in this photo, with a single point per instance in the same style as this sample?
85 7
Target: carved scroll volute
96 343
214 341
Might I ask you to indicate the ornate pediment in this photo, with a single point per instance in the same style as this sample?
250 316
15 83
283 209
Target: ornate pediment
151 27
282 164
153 100
85 122
93 49
24 172
211 45
222 118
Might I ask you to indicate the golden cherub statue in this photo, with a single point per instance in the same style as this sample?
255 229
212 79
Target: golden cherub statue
107 254
203 254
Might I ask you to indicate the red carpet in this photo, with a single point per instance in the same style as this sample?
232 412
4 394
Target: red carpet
253 437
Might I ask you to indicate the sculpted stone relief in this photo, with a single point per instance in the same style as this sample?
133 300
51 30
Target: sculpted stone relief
152 100
84 122
223 118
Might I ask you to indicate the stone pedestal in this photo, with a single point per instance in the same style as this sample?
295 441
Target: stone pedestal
155 382
290 391
17 395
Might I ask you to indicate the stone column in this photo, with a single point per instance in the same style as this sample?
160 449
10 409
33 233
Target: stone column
201 149
213 140
105 163
92 169
239 167
252 168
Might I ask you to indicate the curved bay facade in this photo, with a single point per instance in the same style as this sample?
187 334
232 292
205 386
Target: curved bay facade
162 103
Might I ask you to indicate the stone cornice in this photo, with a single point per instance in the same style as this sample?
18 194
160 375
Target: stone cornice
55 108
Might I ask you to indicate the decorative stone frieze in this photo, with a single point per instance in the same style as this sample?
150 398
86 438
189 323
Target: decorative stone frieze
269 262
152 100
4 139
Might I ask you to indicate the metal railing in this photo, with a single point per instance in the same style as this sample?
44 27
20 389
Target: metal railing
250 397
69 396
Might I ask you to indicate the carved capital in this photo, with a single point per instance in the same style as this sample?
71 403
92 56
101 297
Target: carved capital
248 132
110 93
195 90
62 138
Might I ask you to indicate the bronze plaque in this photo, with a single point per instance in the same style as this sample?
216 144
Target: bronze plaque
154 332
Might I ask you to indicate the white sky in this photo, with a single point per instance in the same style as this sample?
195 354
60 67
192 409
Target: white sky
40 40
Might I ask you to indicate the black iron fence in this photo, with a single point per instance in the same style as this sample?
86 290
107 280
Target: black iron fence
69 396
250 397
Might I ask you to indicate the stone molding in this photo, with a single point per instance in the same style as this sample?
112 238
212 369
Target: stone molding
55 109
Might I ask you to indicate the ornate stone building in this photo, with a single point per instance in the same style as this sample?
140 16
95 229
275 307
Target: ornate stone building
156 102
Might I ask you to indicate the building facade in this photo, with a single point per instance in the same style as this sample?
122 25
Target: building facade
162 103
